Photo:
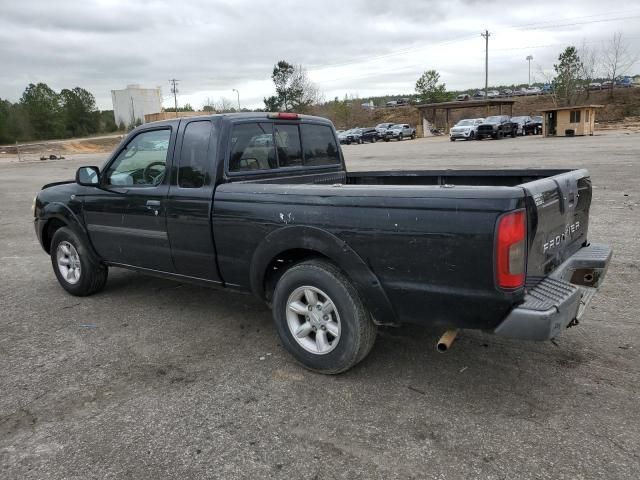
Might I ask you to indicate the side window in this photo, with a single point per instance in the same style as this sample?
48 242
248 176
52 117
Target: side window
288 145
193 167
574 116
319 145
143 161
252 147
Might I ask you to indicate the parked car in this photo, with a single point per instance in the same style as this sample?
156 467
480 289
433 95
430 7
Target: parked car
463 97
478 95
382 128
496 127
595 86
368 134
534 126
547 88
400 131
494 251
493 94
624 82
350 136
391 103
465 129
507 92
521 122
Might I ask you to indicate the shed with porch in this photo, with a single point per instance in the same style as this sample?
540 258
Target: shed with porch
446 114
569 121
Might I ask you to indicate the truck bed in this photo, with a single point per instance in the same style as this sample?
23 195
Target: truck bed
493 178
427 235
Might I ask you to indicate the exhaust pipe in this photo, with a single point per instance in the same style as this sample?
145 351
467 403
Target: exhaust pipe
446 340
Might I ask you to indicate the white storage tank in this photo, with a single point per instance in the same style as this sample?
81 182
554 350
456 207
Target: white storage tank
131 104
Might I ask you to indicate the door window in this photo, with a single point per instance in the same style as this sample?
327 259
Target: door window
193 167
319 145
142 162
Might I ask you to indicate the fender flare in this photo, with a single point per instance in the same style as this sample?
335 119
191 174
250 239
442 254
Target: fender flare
336 250
60 211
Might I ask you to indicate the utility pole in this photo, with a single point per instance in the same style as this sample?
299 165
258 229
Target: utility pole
174 90
486 36
529 58
238 97
133 113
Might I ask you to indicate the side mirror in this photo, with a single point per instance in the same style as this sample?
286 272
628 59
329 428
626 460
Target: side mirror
88 176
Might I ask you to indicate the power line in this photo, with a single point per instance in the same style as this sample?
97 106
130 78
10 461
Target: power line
529 26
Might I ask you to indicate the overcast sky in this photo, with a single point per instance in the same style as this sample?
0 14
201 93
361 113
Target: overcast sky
355 47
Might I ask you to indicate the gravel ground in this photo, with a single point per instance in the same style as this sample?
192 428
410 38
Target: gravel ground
155 379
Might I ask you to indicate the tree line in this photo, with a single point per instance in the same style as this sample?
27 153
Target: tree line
42 113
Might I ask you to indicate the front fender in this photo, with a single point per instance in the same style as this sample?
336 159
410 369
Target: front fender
330 246
61 212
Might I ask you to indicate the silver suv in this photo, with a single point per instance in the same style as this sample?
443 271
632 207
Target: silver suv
465 129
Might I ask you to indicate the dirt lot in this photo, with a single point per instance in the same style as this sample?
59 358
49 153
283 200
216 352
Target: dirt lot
154 379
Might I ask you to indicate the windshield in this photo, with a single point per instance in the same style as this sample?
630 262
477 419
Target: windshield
536 119
464 123
493 119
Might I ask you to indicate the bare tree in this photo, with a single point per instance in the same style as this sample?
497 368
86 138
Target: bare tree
224 105
617 59
209 105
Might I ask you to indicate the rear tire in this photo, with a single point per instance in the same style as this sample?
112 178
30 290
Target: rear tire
347 329
77 272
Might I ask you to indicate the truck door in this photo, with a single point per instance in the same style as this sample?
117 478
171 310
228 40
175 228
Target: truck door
125 217
190 201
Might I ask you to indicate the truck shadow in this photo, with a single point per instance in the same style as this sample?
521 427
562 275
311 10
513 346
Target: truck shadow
481 372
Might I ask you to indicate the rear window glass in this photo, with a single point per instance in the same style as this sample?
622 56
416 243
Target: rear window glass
288 145
252 147
319 145
193 169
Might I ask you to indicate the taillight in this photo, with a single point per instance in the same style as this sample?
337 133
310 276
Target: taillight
511 249
284 116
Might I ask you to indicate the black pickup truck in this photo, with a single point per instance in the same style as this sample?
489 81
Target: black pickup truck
497 127
262 203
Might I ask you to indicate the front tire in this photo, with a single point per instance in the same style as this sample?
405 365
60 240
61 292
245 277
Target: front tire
321 319
73 266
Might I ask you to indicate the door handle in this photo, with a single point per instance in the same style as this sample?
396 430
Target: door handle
153 203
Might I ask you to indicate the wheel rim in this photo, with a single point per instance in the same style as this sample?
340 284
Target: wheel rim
68 261
313 320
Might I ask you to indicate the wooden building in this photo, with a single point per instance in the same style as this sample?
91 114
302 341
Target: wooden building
444 115
569 121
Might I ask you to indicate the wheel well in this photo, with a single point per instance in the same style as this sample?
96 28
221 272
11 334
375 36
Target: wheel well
49 231
281 263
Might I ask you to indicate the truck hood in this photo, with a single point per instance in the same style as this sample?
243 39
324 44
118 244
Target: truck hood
54 184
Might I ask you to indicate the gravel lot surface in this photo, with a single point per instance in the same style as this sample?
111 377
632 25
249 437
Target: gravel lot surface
152 379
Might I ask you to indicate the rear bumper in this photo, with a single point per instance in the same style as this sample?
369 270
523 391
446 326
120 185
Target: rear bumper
553 303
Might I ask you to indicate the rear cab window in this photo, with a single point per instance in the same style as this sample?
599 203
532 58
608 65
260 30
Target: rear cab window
260 146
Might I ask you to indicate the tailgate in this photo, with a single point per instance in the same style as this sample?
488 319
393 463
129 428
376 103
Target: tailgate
558 213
